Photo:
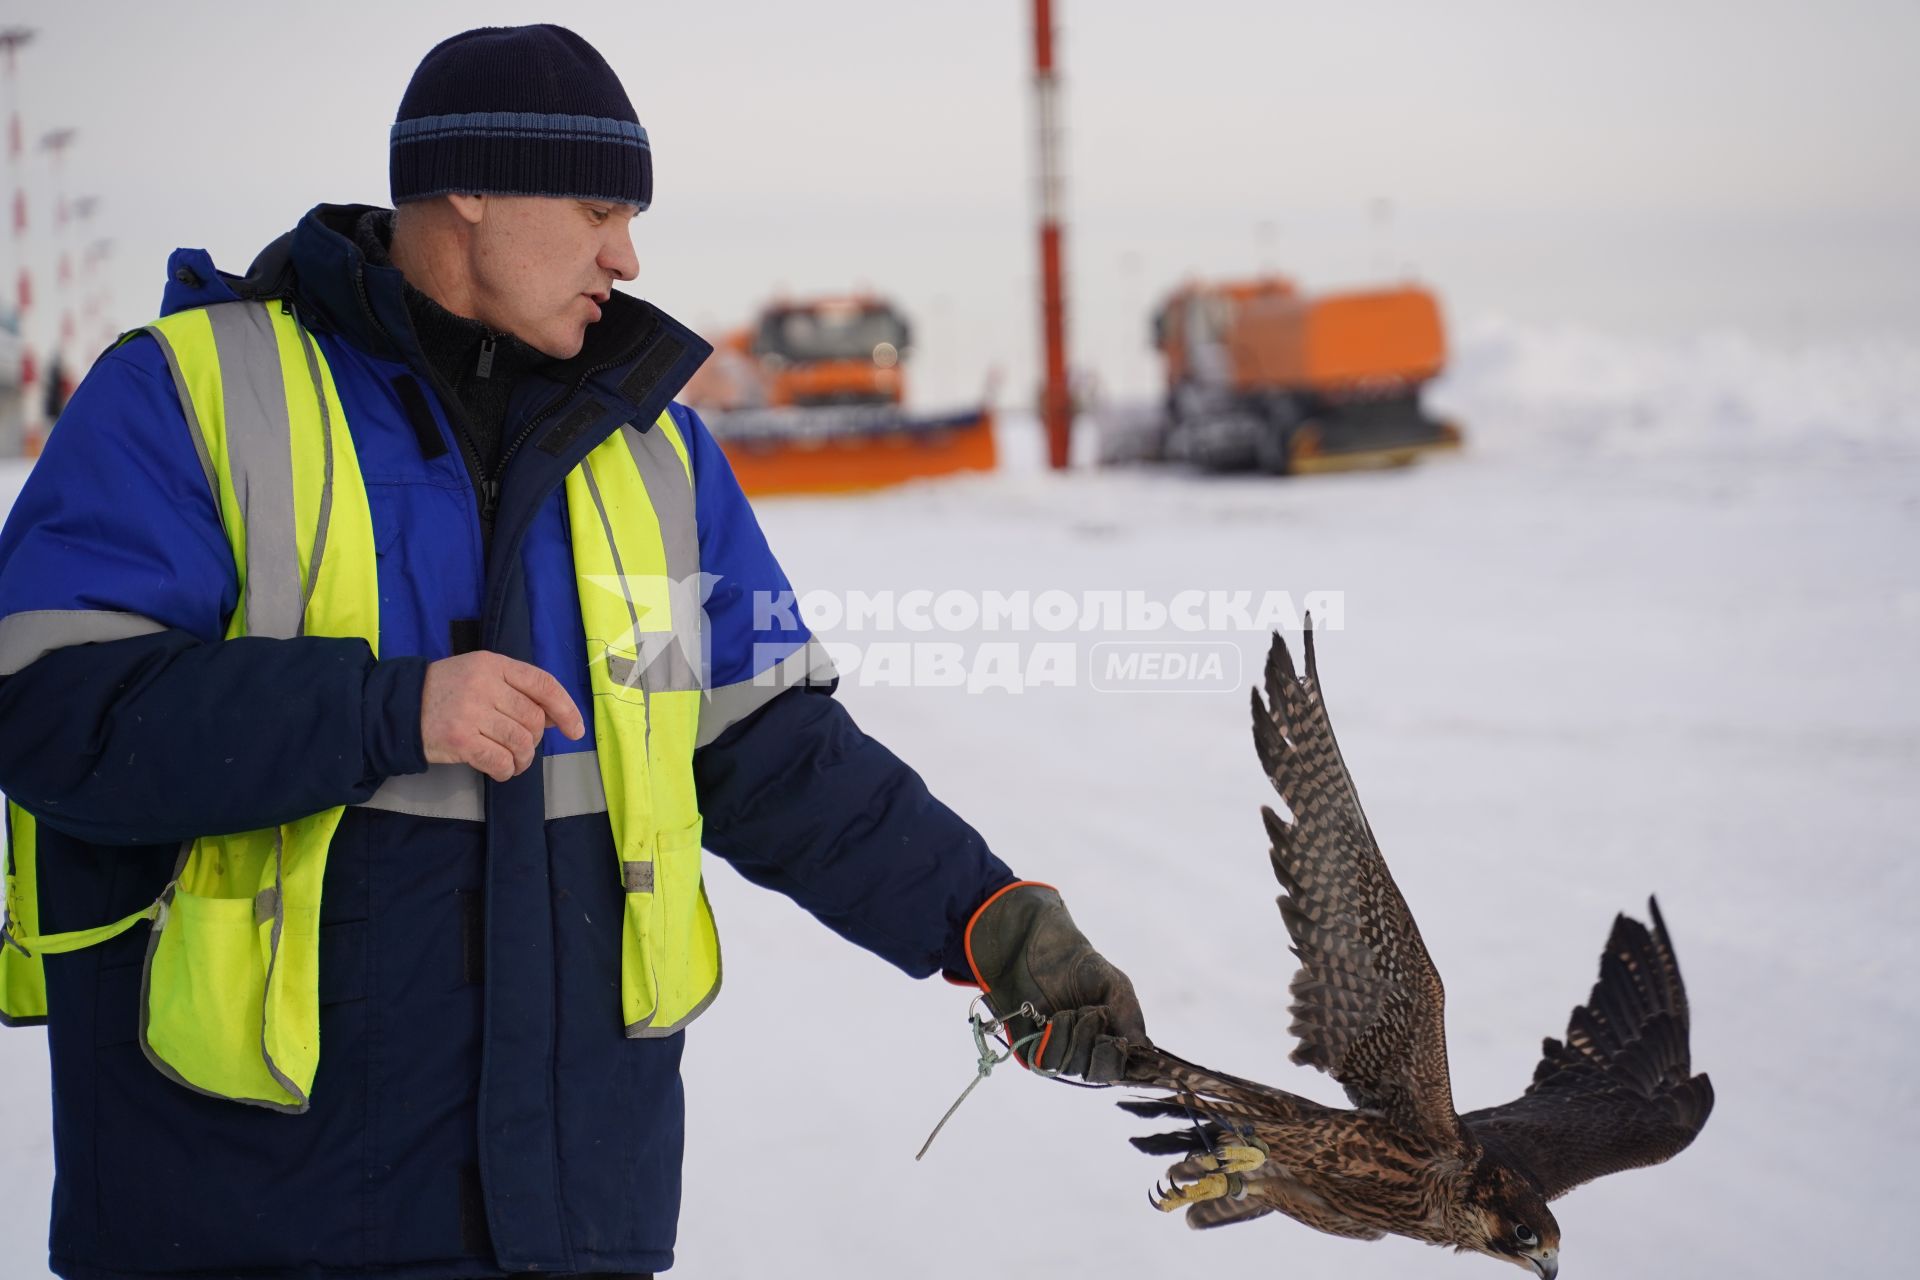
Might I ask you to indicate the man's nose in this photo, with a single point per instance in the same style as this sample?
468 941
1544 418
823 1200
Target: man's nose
617 255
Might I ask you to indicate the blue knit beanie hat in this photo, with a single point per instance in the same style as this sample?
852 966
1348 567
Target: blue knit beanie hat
530 111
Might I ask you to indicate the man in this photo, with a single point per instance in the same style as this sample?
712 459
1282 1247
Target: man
380 966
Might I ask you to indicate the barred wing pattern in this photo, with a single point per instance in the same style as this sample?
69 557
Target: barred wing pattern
1619 1093
1368 1005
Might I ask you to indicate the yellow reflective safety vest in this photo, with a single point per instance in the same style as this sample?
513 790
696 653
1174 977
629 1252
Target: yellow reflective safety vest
230 997
23 983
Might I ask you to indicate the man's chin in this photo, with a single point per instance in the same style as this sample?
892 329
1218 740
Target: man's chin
560 348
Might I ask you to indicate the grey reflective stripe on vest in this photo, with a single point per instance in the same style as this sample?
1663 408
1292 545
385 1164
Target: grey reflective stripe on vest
623 670
670 489
325 517
681 664
669 661
260 459
728 705
27 637
458 792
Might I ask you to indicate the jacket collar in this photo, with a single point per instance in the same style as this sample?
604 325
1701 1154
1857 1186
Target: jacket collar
320 268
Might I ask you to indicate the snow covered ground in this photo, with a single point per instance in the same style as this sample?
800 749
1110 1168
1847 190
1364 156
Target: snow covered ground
1654 632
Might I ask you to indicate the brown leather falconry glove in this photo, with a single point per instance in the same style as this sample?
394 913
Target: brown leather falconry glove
1024 948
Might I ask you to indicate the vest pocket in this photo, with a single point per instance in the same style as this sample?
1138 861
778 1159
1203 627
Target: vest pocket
207 1020
672 949
684 972
639 993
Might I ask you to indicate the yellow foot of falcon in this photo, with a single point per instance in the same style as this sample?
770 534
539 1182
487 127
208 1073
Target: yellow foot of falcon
1224 1173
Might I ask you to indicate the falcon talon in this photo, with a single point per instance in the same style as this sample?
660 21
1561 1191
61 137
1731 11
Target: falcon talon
1242 1159
1211 1187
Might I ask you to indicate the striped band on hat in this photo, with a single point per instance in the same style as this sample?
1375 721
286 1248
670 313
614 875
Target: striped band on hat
521 153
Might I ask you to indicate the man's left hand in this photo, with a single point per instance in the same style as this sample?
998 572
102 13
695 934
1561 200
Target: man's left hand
1025 949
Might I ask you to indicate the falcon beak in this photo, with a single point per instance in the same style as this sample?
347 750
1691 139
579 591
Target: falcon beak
1546 1263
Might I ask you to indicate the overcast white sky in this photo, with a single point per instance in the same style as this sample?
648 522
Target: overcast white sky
1640 167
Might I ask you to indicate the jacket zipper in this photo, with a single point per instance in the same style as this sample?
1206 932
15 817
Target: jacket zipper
487 487
450 405
490 488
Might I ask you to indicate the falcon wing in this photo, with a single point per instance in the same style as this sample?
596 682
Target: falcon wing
1619 1094
1368 1006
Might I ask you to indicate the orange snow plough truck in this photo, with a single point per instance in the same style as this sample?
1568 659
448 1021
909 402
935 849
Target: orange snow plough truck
1261 377
811 399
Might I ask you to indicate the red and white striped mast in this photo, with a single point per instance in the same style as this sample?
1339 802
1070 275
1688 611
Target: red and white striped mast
97 314
1056 400
12 39
60 362
86 311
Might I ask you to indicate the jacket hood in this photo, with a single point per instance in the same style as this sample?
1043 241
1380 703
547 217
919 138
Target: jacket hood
193 279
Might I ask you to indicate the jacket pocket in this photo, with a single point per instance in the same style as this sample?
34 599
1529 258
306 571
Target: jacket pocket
343 962
116 1006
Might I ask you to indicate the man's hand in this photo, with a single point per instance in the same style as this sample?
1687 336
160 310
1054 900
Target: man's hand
487 710
1024 948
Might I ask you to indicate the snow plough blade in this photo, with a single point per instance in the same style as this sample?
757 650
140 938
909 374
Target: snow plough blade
849 448
1314 450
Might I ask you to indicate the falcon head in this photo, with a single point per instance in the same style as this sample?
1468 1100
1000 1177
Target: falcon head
1508 1218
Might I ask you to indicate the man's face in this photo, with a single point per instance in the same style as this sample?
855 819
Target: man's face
543 267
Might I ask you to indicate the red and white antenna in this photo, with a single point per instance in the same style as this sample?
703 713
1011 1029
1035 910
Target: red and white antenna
86 309
12 40
60 361
1056 402
98 314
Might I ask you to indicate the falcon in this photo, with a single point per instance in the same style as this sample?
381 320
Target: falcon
1369 1010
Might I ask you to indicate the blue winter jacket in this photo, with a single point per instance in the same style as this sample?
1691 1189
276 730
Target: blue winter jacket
477 1110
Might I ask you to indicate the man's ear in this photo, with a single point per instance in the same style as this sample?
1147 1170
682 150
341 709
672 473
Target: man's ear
471 208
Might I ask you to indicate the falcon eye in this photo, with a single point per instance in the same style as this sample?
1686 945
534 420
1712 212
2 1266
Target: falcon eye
1524 1234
